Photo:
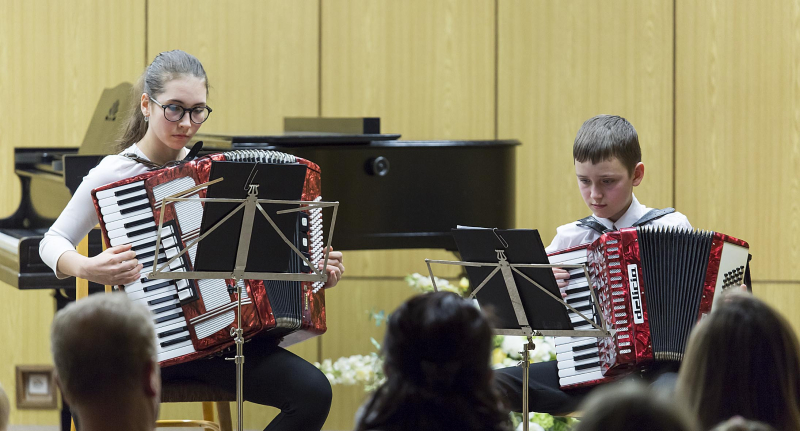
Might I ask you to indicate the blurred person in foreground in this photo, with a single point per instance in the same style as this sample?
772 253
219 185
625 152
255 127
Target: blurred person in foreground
104 351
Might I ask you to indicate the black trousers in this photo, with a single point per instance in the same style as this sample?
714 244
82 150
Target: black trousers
545 394
274 377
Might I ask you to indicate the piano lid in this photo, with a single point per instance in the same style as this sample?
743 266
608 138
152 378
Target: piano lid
47 181
106 124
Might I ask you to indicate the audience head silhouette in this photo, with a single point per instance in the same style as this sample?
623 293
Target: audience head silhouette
105 358
437 363
742 360
632 406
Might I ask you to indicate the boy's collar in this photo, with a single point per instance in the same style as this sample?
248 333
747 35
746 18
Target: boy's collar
634 213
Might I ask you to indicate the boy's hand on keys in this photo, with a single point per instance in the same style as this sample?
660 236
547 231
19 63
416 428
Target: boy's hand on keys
562 277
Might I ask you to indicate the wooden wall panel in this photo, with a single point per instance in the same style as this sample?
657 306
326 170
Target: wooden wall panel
261 57
425 67
55 60
561 63
738 126
57 57
262 61
25 318
784 297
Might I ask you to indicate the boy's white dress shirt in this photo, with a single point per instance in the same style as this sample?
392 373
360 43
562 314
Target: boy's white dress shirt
570 235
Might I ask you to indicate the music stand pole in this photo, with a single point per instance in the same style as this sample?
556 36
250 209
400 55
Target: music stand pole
238 336
241 262
525 386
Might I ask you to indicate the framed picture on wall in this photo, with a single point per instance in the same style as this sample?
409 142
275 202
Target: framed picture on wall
36 387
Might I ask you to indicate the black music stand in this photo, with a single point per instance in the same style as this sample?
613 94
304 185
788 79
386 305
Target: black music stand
525 299
245 227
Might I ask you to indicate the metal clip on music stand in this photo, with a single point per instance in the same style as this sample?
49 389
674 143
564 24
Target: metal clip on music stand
239 272
508 270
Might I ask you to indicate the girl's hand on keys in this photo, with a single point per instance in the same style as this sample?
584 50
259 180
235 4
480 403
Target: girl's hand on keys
115 266
335 268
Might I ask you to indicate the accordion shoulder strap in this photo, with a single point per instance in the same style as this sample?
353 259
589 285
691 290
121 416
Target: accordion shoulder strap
154 166
592 223
652 215
150 165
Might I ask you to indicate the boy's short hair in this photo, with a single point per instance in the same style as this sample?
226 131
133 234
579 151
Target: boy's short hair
101 345
605 137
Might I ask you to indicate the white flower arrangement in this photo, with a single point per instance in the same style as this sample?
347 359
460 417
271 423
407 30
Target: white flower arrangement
367 370
363 370
423 283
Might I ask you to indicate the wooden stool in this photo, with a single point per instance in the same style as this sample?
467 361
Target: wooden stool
190 391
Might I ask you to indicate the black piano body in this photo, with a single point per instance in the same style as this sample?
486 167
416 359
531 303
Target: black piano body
45 190
397 194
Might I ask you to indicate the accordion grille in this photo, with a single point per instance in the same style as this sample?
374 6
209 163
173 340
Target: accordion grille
285 297
675 262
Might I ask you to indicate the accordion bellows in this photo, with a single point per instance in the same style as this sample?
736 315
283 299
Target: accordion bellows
652 284
194 318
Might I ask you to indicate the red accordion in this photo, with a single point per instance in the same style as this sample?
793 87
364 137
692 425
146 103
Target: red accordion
194 318
652 286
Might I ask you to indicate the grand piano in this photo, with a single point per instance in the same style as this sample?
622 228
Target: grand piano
393 193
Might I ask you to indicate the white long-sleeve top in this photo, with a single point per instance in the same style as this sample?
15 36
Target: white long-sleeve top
79 216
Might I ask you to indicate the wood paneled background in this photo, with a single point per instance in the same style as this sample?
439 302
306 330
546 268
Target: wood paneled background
55 60
712 87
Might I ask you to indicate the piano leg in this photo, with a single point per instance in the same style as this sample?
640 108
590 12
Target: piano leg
63 298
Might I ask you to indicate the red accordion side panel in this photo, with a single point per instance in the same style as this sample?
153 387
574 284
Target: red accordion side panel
258 293
623 303
643 350
709 285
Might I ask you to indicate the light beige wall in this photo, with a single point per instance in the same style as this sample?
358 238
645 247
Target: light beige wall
261 57
785 297
427 69
738 126
560 63
55 60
